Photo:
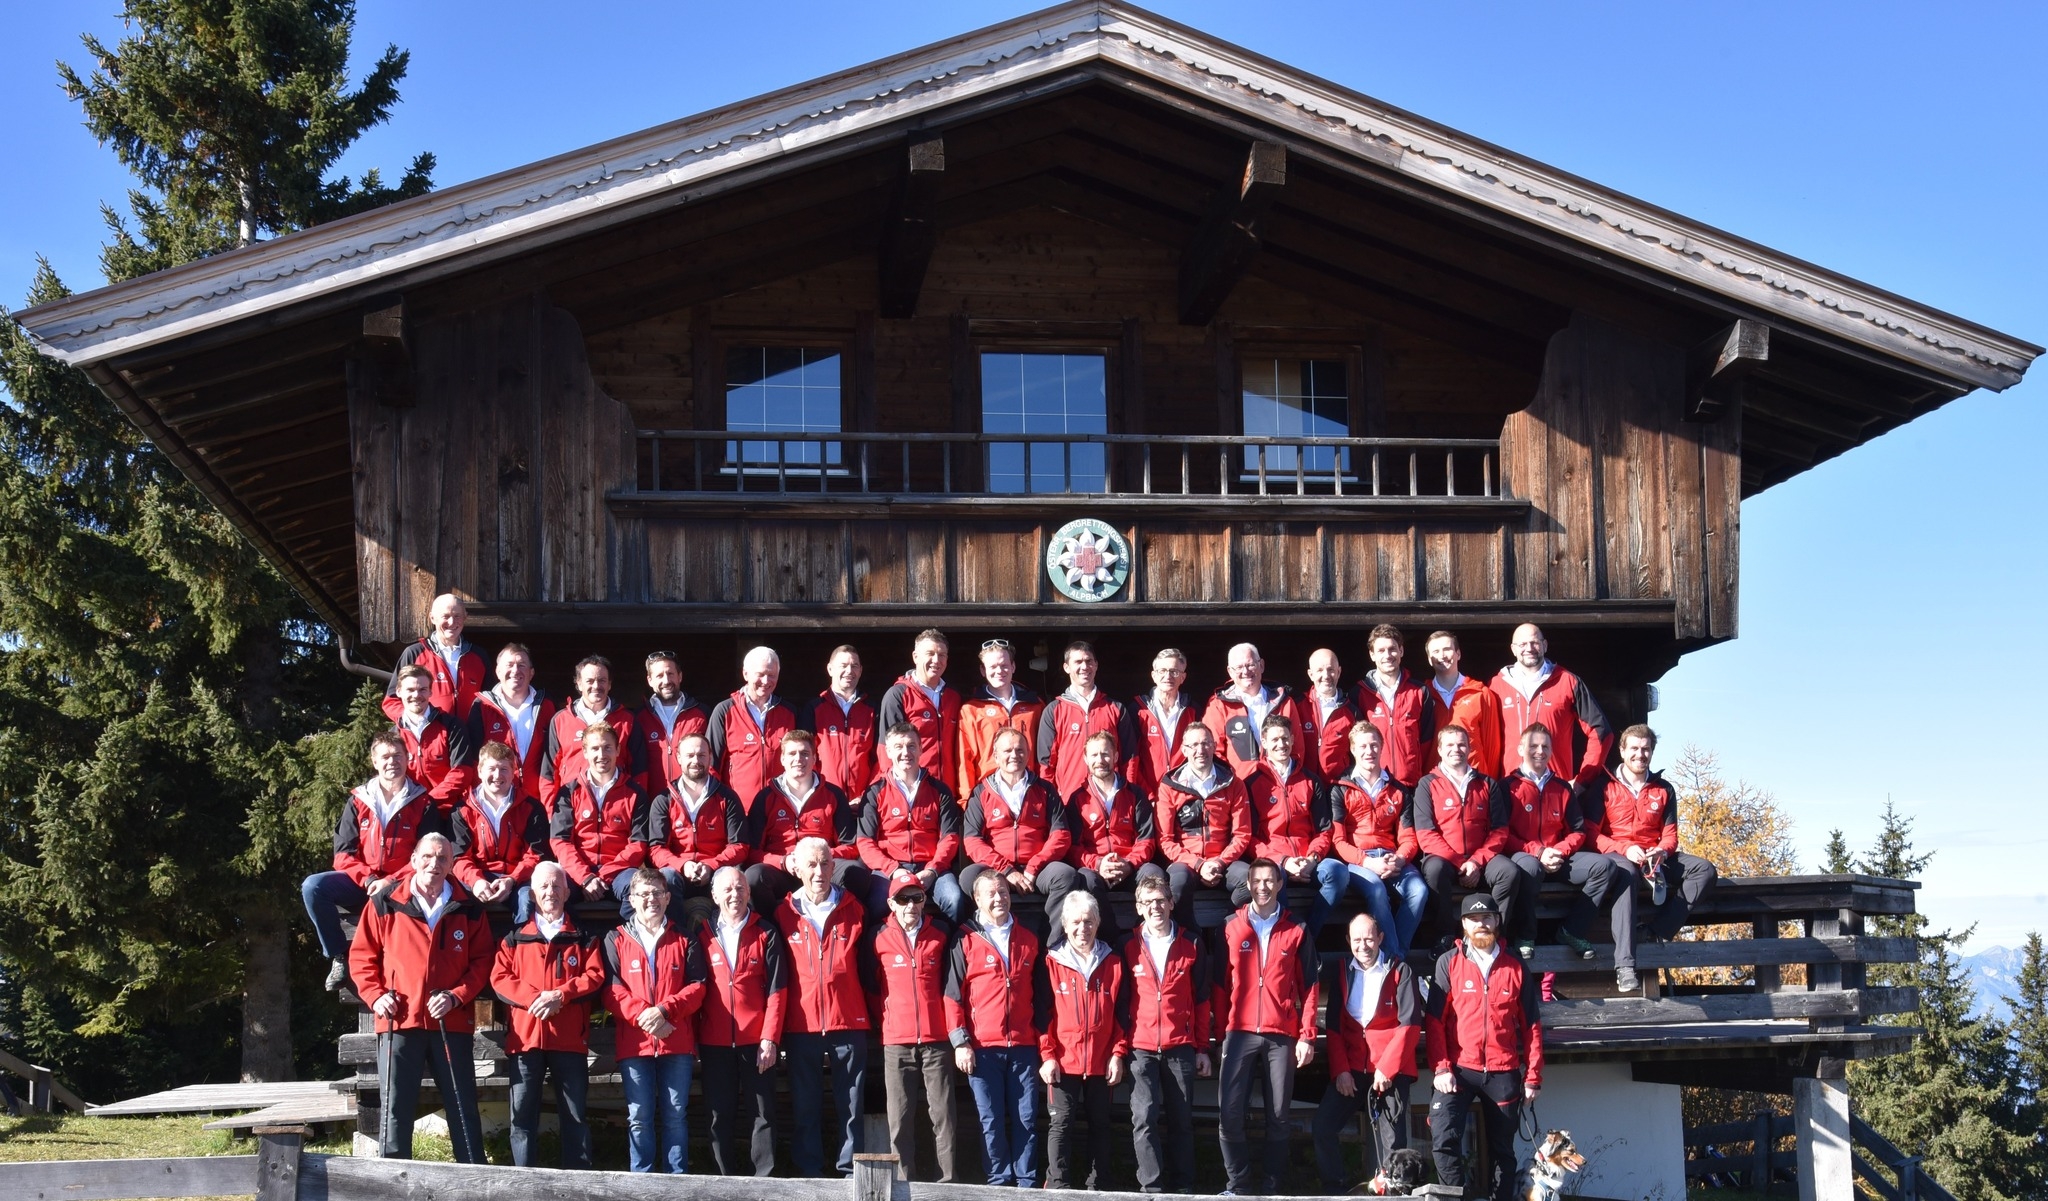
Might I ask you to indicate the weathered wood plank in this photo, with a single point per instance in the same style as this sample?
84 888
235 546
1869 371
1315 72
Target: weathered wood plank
343 1178
795 562
880 563
1179 563
999 562
1735 952
1684 465
116 1179
373 442
512 457
1740 1007
1721 456
1276 562
927 562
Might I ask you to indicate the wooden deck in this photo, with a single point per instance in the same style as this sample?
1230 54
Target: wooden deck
221 1098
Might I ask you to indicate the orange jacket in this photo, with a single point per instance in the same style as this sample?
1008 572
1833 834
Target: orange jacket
1473 708
981 719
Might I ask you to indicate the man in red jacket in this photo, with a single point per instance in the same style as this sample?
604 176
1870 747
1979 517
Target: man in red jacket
1167 1013
439 751
922 698
1238 711
1633 816
828 1017
1395 704
1535 691
381 822
1083 1046
907 962
457 669
1291 822
696 827
1376 840
1205 823
1461 823
500 834
1076 715
1001 703
561 757
796 805
669 715
1548 839
909 822
1163 716
1485 1047
548 970
993 1015
657 984
599 828
516 714
1328 715
1016 827
1268 971
1456 699
746 728
1112 826
844 723
422 954
1373 1029
739 1026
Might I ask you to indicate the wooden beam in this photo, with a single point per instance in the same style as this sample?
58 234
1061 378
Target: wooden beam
380 371
1715 369
1227 240
910 231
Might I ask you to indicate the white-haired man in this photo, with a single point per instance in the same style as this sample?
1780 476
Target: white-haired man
746 728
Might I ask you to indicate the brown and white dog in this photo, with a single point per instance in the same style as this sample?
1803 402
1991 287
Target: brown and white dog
1555 1159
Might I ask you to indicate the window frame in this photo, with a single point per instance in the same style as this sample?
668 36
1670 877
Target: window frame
1108 348
725 340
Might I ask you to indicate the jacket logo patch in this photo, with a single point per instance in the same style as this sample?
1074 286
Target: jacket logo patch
896 812
991 961
586 813
782 815
458 936
633 966
1528 808
1246 945
1074 727
571 959
1468 986
899 961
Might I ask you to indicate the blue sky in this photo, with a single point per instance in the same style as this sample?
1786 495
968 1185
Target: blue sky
1889 598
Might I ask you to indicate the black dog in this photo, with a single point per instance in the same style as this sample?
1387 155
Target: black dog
1403 1172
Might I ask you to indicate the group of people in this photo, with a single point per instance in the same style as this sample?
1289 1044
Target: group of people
786 878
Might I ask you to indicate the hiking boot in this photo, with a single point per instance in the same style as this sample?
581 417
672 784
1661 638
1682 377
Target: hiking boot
1525 949
1578 946
337 975
1625 980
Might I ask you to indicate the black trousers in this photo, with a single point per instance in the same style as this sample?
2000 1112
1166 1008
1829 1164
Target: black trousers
1586 871
1268 1057
917 1080
1389 1128
1052 885
1184 881
1499 877
846 1051
1687 878
736 1091
571 1071
1072 1162
1163 1119
401 1056
1498 1098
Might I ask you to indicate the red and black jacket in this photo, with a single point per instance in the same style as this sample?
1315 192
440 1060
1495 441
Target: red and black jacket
909 1001
1083 1007
1064 729
673 979
488 723
1288 818
1579 734
1403 723
777 822
846 740
991 1000
654 744
1237 734
1363 821
828 976
716 837
513 848
451 692
1122 825
529 964
366 849
1455 825
924 833
1485 1022
746 997
561 758
1157 750
1167 1007
441 756
1271 991
1005 837
395 951
599 836
1543 815
1193 828
747 755
1619 818
1392 1033
938 726
1327 739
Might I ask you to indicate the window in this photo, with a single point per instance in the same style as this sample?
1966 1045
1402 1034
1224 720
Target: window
1045 394
781 390
1296 398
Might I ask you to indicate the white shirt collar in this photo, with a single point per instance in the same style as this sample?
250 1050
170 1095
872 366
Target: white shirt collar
434 909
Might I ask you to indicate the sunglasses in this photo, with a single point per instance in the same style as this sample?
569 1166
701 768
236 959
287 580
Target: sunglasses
660 657
996 644
910 898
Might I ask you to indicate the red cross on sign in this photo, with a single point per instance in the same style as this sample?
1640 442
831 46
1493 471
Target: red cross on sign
1087 560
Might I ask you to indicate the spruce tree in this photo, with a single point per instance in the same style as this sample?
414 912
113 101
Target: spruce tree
1834 857
2028 1004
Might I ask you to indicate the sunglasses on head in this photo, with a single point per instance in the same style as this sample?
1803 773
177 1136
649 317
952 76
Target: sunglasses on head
660 657
996 644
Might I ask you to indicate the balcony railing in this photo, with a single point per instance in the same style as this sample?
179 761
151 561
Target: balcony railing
892 465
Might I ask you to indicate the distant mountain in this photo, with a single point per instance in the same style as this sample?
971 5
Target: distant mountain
1992 972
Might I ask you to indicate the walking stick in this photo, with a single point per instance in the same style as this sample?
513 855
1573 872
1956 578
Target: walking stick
462 1147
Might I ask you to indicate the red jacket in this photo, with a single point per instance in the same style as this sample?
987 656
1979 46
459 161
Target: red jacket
1157 752
991 1000
395 952
1541 817
747 755
451 692
982 717
826 975
514 848
1029 835
1237 735
1193 827
1269 992
1167 1007
1403 723
672 980
601 837
776 823
1579 734
1370 821
1620 819
746 998
367 850
925 832
1124 825
1065 728
1326 741
561 758
909 1001
938 726
1460 826
1084 1024
1392 1032
530 964
1288 819
488 723
654 744
441 756
715 837
846 741
1476 710
1486 1023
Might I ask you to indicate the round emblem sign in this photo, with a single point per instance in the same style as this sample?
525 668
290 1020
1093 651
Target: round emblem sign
1087 560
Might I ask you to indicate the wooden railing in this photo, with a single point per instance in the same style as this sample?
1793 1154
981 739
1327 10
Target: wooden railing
1747 1151
967 465
45 1093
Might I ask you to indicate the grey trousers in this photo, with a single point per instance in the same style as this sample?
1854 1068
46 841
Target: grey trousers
914 1075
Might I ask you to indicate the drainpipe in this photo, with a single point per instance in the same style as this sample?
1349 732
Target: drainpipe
361 669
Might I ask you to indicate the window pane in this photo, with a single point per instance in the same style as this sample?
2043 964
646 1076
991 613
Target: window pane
783 390
1296 398
1045 394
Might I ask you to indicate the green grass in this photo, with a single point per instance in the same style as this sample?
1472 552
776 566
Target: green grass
68 1136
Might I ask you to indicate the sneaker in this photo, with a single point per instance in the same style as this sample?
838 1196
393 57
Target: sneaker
1525 950
1625 979
337 975
1578 946
1659 891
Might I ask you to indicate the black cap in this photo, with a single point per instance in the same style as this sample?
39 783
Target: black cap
1479 902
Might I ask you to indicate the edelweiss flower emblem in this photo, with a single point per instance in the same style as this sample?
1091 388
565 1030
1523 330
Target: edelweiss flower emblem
1088 560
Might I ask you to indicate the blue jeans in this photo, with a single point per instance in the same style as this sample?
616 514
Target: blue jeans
657 1096
847 1053
945 895
1333 878
326 894
1006 1094
1408 889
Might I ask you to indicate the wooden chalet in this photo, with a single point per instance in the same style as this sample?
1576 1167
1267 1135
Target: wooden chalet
835 363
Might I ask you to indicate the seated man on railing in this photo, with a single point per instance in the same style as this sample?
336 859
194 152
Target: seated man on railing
1461 822
500 834
1376 839
695 827
1548 839
844 724
380 824
1328 715
1291 823
999 704
796 805
924 699
440 751
910 822
1633 814
746 728
1205 823
1392 701
1113 828
1015 826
